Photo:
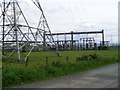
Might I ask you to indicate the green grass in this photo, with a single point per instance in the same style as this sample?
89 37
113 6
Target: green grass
38 70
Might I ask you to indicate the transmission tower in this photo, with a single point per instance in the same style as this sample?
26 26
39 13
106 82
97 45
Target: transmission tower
16 35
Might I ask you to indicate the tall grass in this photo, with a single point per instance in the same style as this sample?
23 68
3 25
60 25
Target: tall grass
37 69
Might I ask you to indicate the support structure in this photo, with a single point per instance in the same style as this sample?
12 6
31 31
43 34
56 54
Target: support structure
3 13
16 30
103 38
71 40
84 41
17 35
69 33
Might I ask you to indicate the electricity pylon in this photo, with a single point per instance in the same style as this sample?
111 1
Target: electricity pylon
17 34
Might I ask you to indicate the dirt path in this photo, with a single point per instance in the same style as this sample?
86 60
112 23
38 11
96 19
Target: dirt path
104 77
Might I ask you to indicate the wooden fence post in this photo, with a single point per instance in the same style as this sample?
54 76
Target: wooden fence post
46 60
67 59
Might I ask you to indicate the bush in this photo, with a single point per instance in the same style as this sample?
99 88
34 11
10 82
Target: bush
57 64
87 57
103 47
24 49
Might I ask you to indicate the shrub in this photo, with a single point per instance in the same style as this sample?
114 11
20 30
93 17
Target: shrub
103 47
87 57
57 64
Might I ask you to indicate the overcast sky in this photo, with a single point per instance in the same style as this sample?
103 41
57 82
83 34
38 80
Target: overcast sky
81 15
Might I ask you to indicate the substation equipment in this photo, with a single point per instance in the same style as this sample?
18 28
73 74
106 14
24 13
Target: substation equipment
86 43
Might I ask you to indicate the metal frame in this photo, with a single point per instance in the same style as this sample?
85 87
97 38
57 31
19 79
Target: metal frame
78 33
13 32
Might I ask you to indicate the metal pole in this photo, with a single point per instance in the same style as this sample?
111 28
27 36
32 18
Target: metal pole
44 42
3 27
15 29
102 37
65 42
71 40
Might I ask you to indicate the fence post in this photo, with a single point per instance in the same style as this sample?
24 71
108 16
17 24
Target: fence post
67 59
46 60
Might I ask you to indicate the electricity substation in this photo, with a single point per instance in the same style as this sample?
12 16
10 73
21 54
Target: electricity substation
19 35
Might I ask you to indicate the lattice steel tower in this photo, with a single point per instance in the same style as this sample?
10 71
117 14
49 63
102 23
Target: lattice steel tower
18 32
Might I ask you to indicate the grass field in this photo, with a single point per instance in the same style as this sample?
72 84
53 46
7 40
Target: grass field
69 62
